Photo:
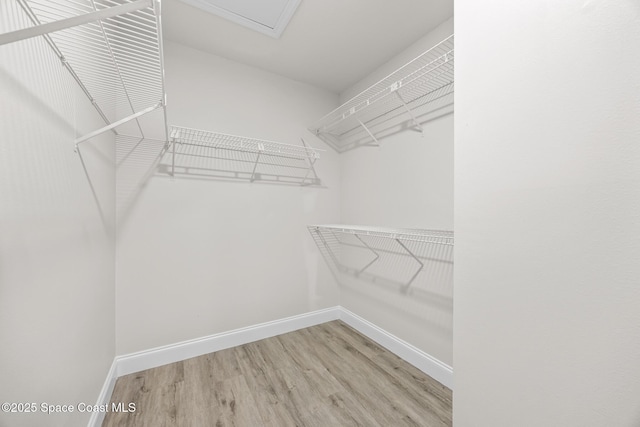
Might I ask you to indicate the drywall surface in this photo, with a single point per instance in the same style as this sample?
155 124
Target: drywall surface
547 213
57 326
198 255
406 182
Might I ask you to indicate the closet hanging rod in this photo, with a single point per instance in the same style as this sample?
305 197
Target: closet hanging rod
74 21
116 124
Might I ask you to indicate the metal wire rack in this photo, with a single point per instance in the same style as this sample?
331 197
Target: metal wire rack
213 154
400 256
113 50
404 96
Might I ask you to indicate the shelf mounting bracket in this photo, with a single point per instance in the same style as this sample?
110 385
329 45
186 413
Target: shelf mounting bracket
175 135
311 162
371 249
255 165
369 132
405 289
413 117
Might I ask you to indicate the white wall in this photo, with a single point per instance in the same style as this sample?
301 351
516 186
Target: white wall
547 212
407 182
198 256
57 332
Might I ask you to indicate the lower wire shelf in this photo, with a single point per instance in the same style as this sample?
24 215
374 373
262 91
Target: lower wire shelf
203 153
394 255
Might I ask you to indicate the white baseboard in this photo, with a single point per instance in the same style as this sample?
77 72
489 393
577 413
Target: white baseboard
135 362
428 364
104 397
159 356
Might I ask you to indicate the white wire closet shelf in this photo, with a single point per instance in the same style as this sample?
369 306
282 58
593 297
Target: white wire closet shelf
402 99
378 251
223 156
112 49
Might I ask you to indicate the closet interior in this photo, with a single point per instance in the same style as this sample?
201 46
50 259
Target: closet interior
232 185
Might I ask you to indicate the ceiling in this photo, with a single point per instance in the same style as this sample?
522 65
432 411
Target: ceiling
328 43
266 16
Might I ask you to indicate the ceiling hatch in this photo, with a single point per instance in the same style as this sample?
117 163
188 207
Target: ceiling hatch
266 16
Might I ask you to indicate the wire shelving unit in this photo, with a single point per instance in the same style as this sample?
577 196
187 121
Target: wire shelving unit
415 89
410 251
111 48
220 155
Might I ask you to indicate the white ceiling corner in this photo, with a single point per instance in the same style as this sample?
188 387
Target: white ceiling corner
331 44
269 17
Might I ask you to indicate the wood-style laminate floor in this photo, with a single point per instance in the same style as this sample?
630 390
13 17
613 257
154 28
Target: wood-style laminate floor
325 375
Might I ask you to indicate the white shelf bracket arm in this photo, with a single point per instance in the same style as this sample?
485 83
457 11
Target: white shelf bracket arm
413 117
255 165
369 132
310 162
174 137
371 249
63 24
406 287
173 157
115 124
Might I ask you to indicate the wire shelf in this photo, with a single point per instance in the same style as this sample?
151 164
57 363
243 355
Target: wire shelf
401 256
219 155
416 89
439 237
112 48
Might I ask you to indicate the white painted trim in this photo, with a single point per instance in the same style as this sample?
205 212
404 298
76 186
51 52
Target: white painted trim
135 362
159 356
104 397
428 364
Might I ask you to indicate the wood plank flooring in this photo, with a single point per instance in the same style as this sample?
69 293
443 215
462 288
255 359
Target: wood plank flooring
325 375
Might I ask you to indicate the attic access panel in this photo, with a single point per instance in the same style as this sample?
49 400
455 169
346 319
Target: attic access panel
269 17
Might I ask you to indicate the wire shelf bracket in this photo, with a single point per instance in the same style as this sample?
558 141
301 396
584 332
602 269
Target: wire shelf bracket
330 244
112 49
245 151
418 88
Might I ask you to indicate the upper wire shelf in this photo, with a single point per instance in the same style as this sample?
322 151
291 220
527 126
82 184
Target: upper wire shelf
419 87
112 48
230 156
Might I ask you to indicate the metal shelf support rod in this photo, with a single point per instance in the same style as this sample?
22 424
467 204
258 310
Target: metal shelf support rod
311 163
157 9
368 131
413 118
255 165
173 158
115 124
371 249
406 287
50 27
